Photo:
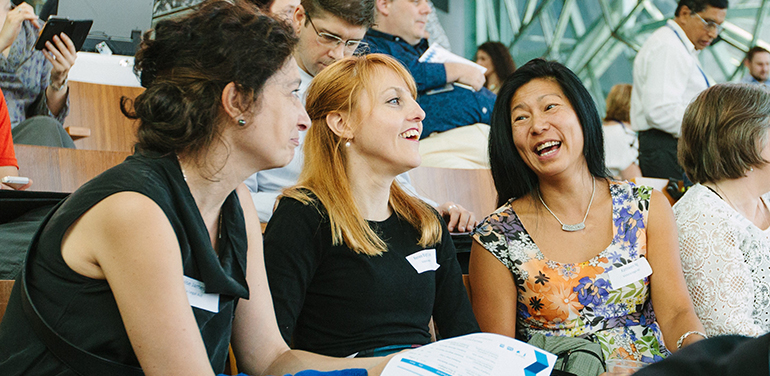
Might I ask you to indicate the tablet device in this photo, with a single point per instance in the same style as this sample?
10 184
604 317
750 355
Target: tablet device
75 30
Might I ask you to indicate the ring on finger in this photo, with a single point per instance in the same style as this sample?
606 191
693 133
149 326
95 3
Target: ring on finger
452 207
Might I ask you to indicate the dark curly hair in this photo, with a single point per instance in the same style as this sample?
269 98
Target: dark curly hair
189 62
501 58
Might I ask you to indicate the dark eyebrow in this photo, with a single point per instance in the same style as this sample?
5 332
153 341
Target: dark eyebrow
540 98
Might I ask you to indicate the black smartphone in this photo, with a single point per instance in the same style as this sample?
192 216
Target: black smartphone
75 30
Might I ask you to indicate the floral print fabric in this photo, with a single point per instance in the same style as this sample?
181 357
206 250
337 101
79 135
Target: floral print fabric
578 299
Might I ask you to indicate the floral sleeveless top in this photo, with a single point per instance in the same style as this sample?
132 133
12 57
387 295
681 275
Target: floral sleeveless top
577 299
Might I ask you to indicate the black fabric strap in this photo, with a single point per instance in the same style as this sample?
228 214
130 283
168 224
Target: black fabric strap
82 362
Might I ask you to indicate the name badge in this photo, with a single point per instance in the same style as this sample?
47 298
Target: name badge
629 273
196 294
423 261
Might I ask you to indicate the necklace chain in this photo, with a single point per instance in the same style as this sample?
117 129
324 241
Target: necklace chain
576 226
219 225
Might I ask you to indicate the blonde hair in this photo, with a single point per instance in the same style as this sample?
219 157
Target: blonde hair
619 103
324 176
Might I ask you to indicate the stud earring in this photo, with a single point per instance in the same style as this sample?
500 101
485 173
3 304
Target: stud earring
241 122
347 144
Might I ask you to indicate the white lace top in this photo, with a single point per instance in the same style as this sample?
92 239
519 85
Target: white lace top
726 262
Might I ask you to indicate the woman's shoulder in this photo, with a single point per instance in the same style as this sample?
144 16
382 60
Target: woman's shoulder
622 190
503 222
697 199
299 203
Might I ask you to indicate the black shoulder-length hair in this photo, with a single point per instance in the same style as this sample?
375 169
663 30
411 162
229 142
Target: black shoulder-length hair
513 178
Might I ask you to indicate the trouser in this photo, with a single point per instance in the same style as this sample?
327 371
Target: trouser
42 131
657 155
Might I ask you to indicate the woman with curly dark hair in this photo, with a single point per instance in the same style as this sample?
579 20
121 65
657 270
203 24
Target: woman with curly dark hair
497 59
140 270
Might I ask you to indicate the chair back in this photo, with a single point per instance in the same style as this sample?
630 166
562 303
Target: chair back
474 189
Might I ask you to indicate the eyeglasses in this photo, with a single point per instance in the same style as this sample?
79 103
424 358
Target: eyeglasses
710 25
333 41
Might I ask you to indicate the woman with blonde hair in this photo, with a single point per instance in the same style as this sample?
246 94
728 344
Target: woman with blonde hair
355 264
621 143
723 220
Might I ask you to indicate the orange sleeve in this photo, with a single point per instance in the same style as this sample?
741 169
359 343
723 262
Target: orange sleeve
7 154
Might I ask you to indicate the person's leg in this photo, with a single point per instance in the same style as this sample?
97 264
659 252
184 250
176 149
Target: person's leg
657 155
42 131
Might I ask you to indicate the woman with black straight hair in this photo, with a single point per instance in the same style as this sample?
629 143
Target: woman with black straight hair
546 261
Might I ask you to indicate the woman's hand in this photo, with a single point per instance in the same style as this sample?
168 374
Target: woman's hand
61 54
13 21
458 219
12 171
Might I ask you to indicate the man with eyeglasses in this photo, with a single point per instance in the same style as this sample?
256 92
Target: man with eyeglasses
329 30
399 30
667 76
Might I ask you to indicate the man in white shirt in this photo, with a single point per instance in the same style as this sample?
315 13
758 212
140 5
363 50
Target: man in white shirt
329 30
758 62
667 77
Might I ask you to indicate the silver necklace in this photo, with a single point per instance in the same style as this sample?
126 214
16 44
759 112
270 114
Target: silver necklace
576 226
219 225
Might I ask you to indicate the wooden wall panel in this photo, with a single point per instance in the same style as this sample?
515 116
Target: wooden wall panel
63 170
97 107
471 188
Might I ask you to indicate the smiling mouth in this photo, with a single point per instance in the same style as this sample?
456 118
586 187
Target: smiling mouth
411 134
547 148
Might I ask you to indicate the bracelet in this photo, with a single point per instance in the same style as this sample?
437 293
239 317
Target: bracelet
60 87
684 336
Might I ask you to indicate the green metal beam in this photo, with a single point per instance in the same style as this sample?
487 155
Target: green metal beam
527 22
561 27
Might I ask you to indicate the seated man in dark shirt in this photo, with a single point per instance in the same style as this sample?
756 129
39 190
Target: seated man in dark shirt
399 30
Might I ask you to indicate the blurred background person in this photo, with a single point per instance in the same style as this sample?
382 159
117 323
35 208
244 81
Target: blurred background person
283 9
723 220
757 61
496 57
34 82
621 144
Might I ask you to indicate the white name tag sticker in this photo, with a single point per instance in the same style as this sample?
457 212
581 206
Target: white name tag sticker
423 261
196 294
629 273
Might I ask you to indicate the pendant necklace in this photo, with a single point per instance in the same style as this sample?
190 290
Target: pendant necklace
576 226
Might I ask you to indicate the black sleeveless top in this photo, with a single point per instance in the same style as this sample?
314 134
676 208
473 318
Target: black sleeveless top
84 311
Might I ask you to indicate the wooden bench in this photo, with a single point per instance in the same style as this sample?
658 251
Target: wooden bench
96 108
471 188
63 170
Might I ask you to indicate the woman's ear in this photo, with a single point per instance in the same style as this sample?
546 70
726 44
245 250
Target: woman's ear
338 123
231 101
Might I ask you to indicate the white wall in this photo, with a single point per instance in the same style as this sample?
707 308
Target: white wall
454 25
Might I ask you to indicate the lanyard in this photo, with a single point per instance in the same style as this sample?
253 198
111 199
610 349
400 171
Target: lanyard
688 51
